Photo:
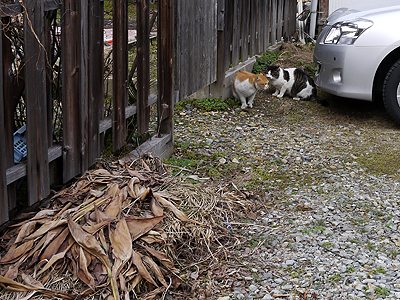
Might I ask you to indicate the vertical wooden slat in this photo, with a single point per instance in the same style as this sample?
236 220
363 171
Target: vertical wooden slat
236 32
9 107
3 161
218 87
36 106
70 93
83 83
165 67
120 71
273 13
96 66
253 28
280 20
245 30
228 32
143 71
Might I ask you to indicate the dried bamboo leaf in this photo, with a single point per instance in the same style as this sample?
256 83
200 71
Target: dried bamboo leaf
92 229
137 261
26 230
83 272
19 287
138 227
162 258
55 258
121 241
90 244
131 189
135 173
153 237
15 252
178 213
45 228
87 241
53 247
151 295
156 208
156 270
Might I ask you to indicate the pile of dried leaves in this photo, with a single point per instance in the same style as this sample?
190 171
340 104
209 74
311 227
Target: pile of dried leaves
120 231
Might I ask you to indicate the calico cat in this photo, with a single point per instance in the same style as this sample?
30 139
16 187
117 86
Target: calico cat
293 81
246 85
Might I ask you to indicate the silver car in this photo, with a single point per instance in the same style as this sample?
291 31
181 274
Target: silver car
357 53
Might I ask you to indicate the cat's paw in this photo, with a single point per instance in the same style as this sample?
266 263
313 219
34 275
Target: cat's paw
243 106
296 98
280 96
251 105
275 94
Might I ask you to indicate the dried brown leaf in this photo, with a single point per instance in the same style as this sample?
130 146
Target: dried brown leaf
83 272
156 270
131 187
45 228
162 258
138 227
178 213
137 261
121 241
53 247
54 258
26 230
16 252
156 208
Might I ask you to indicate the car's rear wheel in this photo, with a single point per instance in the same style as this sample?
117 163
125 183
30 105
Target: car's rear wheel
391 92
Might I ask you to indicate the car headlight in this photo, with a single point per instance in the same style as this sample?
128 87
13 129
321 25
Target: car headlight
347 32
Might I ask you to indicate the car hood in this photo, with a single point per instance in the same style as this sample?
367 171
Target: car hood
363 8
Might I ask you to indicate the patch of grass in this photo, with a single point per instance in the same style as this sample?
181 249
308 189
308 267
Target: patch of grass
334 279
382 291
269 57
381 161
350 270
327 245
381 270
205 104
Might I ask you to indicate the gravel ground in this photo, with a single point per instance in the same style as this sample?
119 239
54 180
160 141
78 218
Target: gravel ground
328 182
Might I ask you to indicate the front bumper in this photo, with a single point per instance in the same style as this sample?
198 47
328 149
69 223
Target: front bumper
346 70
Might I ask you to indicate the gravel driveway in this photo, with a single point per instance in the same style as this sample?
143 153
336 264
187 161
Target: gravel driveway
328 181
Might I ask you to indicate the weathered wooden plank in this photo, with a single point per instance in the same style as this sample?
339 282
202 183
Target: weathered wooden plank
70 93
9 106
245 24
36 102
280 14
165 104
261 25
228 33
266 24
96 83
3 161
83 7
273 22
143 71
120 71
218 86
236 32
253 28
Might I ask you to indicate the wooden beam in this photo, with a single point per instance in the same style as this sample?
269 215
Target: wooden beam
70 91
143 70
165 105
36 102
120 71
3 161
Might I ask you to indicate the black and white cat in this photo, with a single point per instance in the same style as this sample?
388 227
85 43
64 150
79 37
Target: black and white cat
293 82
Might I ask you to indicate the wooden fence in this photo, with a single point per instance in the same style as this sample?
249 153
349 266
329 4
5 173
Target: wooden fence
213 35
198 40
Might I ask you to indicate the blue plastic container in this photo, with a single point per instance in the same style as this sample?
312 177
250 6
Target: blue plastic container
20 150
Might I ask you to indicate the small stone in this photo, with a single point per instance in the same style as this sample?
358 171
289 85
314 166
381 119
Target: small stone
290 262
222 161
224 298
253 288
235 161
209 141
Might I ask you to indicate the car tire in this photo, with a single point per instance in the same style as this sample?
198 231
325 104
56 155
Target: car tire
391 92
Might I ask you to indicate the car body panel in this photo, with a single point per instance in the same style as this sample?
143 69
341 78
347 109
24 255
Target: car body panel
349 70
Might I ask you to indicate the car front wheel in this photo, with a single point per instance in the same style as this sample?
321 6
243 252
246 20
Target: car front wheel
391 92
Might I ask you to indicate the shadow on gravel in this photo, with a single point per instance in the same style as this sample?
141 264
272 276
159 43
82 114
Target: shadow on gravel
358 110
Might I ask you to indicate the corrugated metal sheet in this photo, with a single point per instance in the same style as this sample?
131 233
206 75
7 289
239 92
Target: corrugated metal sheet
335 4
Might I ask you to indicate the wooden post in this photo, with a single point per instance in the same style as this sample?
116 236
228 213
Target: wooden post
3 158
95 81
70 92
217 89
120 71
36 102
165 67
143 70
9 107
